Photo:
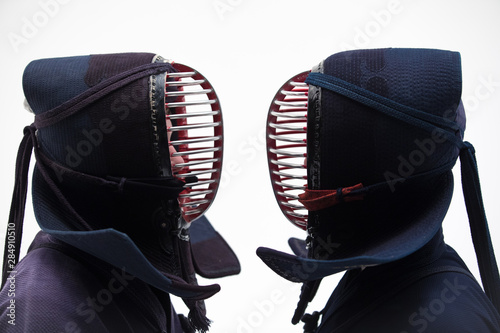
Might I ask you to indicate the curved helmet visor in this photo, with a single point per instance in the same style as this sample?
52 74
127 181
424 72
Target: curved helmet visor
287 147
194 127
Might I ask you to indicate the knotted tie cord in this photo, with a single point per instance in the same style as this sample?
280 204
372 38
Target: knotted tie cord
170 188
314 200
470 178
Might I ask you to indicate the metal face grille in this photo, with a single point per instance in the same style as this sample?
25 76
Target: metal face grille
287 147
194 124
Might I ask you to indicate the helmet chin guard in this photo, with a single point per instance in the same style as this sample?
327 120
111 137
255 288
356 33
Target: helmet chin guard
287 147
196 134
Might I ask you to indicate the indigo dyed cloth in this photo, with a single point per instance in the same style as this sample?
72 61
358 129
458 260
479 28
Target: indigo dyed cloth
56 288
429 291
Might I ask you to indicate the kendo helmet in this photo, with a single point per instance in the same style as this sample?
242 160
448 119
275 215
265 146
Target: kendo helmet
128 154
360 152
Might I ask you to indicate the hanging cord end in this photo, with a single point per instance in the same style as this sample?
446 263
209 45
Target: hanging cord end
197 317
479 225
14 232
311 321
308 291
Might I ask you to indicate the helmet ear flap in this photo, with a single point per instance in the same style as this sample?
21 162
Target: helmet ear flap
287 147
195 131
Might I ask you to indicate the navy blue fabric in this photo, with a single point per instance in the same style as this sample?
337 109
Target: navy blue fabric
481 238
417 92
59 289
446 301
428 85
385 245
425 80
109 135
108 129
412 116
50 82
112 246
351 143
369 114
298 246
212 256
201 231
91 131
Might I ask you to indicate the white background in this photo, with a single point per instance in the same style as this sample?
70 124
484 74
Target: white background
247 49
